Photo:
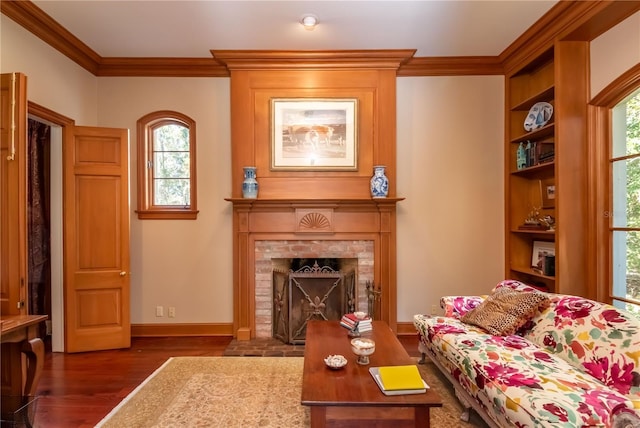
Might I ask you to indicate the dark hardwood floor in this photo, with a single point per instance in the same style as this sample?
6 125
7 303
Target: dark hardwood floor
78 390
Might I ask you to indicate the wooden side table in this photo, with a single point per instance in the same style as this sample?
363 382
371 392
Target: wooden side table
22 360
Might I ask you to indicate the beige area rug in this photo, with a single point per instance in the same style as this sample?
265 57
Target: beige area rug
240 392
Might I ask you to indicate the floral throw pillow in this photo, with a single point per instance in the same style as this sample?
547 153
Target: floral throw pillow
506 310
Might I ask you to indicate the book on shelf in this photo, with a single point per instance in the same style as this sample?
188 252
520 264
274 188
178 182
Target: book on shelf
347 326
364 328
353 318
361 327
347 322
396 382
546 157
350 321
538 152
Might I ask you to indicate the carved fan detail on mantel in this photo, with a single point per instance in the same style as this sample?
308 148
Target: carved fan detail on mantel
314 221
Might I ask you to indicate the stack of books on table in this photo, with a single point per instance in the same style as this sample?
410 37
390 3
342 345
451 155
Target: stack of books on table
398 380
350 321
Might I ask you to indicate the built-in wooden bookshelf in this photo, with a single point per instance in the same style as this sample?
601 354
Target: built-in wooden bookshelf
551 183
531 84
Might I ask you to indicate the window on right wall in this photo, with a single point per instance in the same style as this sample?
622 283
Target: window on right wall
624 229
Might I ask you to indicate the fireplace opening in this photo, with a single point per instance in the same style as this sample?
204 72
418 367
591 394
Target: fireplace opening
286 255
308 289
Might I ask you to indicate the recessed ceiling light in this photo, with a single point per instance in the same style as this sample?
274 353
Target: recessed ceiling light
309 22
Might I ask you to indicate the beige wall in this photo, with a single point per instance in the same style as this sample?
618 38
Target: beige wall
53 81
450 170
608 63
186 264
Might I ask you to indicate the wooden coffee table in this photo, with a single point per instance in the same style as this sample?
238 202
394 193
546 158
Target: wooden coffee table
350 396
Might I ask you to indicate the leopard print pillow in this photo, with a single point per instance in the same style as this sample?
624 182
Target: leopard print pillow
506 310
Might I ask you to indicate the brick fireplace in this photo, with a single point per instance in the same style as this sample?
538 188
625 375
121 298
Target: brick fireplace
266 230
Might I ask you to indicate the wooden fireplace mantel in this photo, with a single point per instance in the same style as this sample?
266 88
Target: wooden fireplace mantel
302 202
311 219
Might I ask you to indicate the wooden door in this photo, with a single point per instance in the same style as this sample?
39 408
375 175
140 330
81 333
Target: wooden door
13 194
96 239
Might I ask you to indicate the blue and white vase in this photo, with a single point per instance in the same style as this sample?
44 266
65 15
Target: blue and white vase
379 182
250 184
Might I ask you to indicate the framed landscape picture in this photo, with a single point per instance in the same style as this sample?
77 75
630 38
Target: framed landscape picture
314 134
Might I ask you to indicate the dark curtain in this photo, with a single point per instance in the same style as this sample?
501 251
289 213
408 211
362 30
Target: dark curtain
38 219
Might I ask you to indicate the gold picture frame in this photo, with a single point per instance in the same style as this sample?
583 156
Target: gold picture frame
314 134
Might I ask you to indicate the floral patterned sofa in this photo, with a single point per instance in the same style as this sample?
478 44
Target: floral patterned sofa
568 362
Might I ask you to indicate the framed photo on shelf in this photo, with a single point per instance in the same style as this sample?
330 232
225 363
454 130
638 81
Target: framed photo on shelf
314 134
548 193
541 250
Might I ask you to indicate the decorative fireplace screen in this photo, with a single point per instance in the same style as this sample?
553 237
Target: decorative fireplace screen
311 292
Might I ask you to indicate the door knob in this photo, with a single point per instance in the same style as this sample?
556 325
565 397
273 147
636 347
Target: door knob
123 273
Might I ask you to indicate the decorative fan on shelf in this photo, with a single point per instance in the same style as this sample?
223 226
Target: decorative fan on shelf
538 116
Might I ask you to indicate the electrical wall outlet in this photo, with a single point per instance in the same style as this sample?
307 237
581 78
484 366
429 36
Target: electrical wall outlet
172 312
159 311
434 309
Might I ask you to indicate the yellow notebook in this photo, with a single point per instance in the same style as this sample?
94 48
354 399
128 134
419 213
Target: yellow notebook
400 377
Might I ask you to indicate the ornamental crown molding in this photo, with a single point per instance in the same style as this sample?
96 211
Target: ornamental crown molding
313 59
567 20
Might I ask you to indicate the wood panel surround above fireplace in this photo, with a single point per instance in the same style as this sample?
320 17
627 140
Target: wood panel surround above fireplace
312 205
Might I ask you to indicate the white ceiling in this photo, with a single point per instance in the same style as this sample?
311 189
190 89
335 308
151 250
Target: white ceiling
190 29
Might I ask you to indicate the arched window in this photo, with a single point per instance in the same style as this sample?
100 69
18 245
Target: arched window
617 119
166 166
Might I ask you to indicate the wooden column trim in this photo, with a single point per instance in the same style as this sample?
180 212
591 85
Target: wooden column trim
387 266
243 303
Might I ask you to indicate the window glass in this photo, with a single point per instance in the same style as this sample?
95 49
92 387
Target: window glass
626 197
171 178
626 121
166 166
625 190
626 267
